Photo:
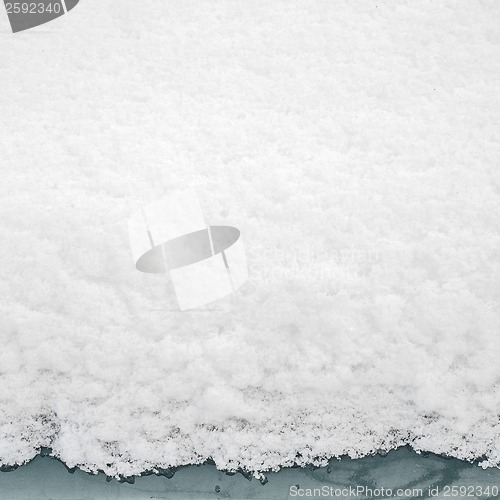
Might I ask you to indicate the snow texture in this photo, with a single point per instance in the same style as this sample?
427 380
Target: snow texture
354 144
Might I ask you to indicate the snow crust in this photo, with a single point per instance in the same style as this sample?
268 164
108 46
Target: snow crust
354 144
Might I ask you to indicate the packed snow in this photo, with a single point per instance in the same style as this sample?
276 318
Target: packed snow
353 144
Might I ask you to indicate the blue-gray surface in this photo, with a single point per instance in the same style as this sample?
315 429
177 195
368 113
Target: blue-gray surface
421 476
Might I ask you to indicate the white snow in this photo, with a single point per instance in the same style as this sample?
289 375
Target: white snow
354 144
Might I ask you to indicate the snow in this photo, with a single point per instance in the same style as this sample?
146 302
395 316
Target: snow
354 145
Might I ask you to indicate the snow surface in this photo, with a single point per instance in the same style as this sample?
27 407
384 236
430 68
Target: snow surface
354 144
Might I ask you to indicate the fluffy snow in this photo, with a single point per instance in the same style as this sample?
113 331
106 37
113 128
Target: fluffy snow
354 144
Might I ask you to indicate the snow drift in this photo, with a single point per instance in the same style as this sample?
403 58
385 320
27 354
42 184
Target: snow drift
356 148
